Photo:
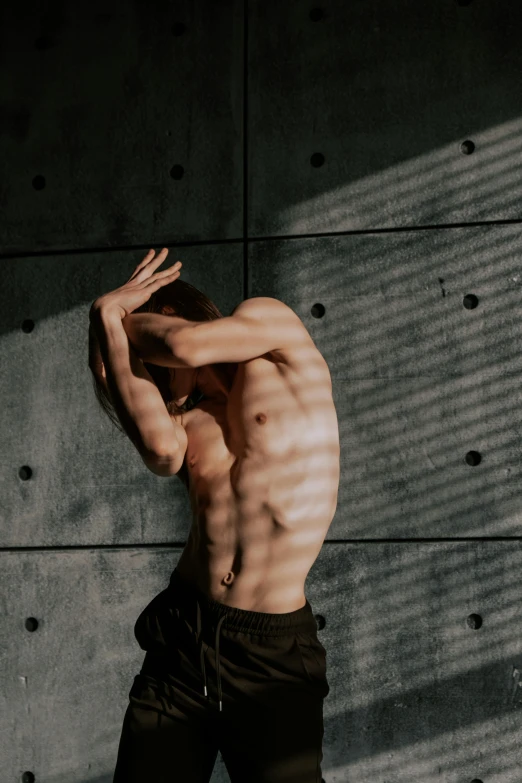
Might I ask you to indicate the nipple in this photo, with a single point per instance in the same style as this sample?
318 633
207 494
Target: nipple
261 418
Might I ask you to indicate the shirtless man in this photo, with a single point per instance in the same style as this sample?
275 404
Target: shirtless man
261 452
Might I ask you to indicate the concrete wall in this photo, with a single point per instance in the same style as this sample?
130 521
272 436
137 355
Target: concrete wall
321 163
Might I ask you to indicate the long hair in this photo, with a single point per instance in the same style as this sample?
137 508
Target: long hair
187 302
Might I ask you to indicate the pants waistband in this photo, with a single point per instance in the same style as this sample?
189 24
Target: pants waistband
188 596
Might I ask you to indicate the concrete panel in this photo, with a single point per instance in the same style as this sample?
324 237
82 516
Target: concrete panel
420 382
101 105
87 483
423 659
386 91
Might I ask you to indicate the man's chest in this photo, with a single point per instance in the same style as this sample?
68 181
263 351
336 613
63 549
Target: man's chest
270 414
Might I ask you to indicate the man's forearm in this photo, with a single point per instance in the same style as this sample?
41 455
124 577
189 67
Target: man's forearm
150 334
134 395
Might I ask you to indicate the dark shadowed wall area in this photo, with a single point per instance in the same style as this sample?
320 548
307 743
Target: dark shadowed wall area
360 161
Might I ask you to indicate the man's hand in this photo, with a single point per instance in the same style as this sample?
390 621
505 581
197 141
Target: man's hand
135 292
140 286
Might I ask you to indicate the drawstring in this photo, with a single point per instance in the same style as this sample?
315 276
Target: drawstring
202 657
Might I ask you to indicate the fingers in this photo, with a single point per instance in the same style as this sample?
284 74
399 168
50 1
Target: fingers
151 262
149 258
160 280
154 263
146 260
166 272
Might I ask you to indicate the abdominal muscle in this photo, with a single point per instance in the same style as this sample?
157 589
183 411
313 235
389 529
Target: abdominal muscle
254 534
252 571
263 481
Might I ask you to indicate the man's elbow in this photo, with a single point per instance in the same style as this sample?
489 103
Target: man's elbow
164 466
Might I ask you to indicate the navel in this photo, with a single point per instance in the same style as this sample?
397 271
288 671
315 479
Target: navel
261 418
229 578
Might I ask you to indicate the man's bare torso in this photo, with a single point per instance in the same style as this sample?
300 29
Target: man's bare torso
263 470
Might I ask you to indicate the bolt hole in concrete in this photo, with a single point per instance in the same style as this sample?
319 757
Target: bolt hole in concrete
474 621
473 458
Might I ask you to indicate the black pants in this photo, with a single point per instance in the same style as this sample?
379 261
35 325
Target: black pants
264 676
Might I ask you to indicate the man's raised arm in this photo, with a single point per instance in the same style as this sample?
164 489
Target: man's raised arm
150 334
134 395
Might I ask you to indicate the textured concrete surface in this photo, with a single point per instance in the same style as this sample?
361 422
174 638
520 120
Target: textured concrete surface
88 484
386 91
105 100
100 105
418 690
